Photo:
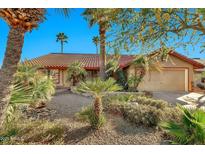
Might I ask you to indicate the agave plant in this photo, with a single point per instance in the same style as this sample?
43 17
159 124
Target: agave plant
98 88
190 130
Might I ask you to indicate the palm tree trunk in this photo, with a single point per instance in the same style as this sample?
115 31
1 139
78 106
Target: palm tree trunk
97 49
141 76
98 107
11 59
102 31
61 46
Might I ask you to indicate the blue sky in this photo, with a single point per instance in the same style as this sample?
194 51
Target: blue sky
43 40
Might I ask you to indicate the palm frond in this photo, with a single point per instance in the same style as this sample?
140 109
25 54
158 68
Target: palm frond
99 87
64 11
190 130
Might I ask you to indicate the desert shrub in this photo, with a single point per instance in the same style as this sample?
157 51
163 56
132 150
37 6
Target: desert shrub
150 101
121 97
190 129
87 114
144 111
140 98
147 115
117 97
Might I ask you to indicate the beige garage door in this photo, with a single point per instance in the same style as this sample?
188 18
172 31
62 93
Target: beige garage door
167 80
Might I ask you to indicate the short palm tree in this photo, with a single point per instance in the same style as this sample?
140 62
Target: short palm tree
76 72
104 18
98 88
25 73
29 81
62 38
96 41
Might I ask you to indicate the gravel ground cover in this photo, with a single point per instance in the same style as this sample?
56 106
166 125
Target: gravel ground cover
115 131
67 103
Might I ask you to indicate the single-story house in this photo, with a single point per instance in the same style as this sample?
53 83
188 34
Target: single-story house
177 73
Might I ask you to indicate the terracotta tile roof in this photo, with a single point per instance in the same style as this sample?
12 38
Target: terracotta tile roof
196 64
89 61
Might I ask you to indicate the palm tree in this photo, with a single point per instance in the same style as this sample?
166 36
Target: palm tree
62 38
96 41
20 22
76 72
144 64
98 88
104 18
190 129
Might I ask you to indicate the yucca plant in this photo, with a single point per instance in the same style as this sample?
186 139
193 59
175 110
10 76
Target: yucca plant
190 130
98 88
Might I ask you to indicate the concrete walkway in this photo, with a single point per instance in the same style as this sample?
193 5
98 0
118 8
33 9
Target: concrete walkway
170 97
67 104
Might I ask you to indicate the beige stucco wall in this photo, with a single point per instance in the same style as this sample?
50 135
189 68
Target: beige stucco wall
177 66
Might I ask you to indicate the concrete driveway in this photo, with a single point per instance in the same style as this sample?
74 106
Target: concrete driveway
67 104
170 97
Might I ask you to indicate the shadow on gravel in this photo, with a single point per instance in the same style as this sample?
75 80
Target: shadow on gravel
76 135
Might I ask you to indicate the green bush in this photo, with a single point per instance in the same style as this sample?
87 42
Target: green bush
190 129
87 114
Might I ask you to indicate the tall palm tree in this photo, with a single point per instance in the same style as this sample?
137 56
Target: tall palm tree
62 38
20 22
96 41
104 18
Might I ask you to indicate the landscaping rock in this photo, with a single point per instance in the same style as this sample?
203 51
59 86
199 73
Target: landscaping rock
39 113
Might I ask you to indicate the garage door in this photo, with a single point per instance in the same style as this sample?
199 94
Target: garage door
166 80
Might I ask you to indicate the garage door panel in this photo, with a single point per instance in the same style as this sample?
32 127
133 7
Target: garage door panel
166 80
